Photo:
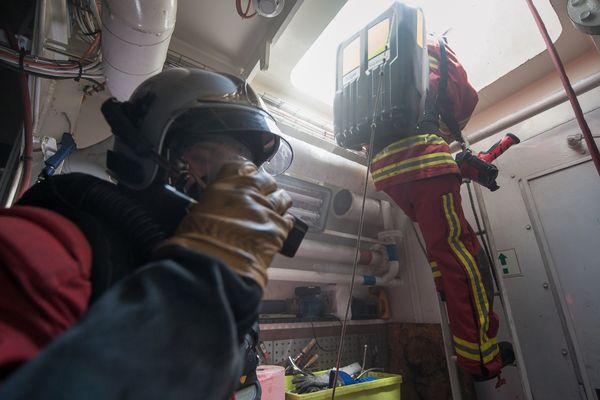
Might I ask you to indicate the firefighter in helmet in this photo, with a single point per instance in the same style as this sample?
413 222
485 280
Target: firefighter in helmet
153 284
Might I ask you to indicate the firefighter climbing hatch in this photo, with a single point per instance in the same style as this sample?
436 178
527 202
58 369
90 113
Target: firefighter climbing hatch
419 99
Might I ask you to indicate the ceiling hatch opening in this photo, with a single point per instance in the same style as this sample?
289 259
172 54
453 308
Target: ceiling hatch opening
490 37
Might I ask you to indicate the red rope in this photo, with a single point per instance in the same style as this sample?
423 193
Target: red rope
242 13
28 124
28 136
585 129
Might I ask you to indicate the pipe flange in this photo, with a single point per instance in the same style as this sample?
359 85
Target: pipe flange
380 249
391 236
585 15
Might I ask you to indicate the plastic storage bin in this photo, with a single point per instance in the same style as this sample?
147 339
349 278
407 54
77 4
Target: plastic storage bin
271 378
386 387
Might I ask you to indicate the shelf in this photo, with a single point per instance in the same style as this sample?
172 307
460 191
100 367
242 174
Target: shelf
316 324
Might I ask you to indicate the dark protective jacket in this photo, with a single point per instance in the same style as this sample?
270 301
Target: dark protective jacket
45 266
171 328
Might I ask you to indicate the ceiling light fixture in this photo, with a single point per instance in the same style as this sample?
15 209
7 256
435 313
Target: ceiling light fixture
269 8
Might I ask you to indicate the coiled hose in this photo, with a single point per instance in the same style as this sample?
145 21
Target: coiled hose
103 200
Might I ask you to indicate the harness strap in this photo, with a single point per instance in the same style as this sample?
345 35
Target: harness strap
446 107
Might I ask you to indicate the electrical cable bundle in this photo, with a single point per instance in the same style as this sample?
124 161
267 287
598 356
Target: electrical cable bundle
88 66
48 68
85 15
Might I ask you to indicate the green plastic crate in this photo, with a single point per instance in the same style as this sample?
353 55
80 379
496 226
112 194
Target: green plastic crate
386 387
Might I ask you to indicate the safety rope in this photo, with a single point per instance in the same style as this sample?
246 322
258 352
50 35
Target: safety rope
571 95
360 229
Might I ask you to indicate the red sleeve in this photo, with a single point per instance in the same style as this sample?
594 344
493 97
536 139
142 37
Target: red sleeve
460 92
45 264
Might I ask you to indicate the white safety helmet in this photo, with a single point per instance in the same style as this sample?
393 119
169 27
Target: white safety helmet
179 105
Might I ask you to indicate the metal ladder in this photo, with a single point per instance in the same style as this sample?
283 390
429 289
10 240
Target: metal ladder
507 311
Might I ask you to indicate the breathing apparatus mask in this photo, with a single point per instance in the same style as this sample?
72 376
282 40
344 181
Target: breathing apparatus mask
198 164
181 126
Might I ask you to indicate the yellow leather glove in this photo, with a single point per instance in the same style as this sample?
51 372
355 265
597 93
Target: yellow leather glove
240 219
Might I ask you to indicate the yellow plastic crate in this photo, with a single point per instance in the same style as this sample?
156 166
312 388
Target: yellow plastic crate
386 387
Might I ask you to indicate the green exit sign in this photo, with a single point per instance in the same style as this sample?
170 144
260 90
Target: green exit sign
509 262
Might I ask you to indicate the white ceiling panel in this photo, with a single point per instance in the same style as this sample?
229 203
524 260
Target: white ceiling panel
212 32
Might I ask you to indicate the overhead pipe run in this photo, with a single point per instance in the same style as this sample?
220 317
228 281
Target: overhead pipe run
135 40
298 275
348 205
387 279
337 254
326 167
570 93
582 86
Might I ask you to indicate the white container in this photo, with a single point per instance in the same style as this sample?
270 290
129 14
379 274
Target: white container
272 381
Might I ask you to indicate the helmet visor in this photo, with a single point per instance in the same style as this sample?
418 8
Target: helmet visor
280 161
255 129
206 157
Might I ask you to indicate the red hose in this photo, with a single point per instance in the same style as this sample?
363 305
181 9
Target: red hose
28 124
244 14
28 136
585 129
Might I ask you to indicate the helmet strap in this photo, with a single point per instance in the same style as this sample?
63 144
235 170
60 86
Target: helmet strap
444 103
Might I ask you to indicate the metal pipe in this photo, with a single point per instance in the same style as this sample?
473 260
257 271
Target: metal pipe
337 254
547 103
449 350
135 40
389 222
71 54
344 235
285 274
389 275
37 49
296 118
324 166
27 142
27 155
298 275
387 279
307 201
560 68
14 186
39 27
348 205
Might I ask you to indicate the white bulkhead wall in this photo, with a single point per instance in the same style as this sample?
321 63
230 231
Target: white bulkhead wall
555 356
